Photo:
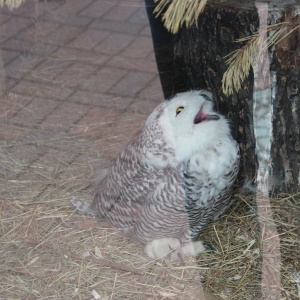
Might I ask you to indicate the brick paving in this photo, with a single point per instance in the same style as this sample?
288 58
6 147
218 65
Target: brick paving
78 78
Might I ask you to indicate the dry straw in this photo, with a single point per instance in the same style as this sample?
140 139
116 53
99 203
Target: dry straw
177 12
241 60
49 251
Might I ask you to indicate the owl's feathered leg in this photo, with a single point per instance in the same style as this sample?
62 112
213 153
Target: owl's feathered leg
192 249
161 248
171 247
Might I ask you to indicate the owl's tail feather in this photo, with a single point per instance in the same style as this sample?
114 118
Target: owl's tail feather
83 207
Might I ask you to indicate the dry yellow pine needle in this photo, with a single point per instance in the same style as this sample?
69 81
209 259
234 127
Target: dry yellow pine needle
175 13
11 4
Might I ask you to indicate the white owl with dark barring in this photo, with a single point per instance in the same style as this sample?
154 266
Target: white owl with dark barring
173 179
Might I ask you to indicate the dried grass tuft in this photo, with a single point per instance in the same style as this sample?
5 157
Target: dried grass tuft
177 12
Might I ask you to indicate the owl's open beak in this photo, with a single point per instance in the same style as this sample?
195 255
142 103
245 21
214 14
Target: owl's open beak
202 116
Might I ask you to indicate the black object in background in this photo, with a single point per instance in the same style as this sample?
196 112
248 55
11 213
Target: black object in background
163 44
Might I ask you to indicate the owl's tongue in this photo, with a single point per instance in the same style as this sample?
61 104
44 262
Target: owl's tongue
202 116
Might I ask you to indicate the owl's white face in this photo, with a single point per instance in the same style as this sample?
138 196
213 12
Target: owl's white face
186 111
193 122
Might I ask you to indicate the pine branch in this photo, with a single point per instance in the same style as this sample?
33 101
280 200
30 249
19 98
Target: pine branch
241 60
175 13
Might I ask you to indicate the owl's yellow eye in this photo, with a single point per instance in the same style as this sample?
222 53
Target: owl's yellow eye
179 110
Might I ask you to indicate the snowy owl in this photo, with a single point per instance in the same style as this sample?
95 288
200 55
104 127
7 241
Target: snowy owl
172 179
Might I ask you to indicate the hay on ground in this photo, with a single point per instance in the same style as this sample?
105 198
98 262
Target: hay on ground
50 251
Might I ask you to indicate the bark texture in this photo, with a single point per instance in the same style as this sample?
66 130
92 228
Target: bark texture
199 63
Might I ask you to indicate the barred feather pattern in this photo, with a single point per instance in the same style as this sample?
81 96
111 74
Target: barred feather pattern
171 180
208 197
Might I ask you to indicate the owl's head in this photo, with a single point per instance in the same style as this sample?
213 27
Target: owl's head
190 121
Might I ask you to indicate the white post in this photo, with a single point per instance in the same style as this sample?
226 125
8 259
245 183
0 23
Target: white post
262 123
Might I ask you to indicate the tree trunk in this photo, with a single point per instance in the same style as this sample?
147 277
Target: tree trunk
198 54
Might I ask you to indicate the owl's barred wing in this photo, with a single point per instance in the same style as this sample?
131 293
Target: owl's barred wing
122 194
164 213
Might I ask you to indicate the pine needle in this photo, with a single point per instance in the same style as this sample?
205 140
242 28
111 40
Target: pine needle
11 4
241 60
177 12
